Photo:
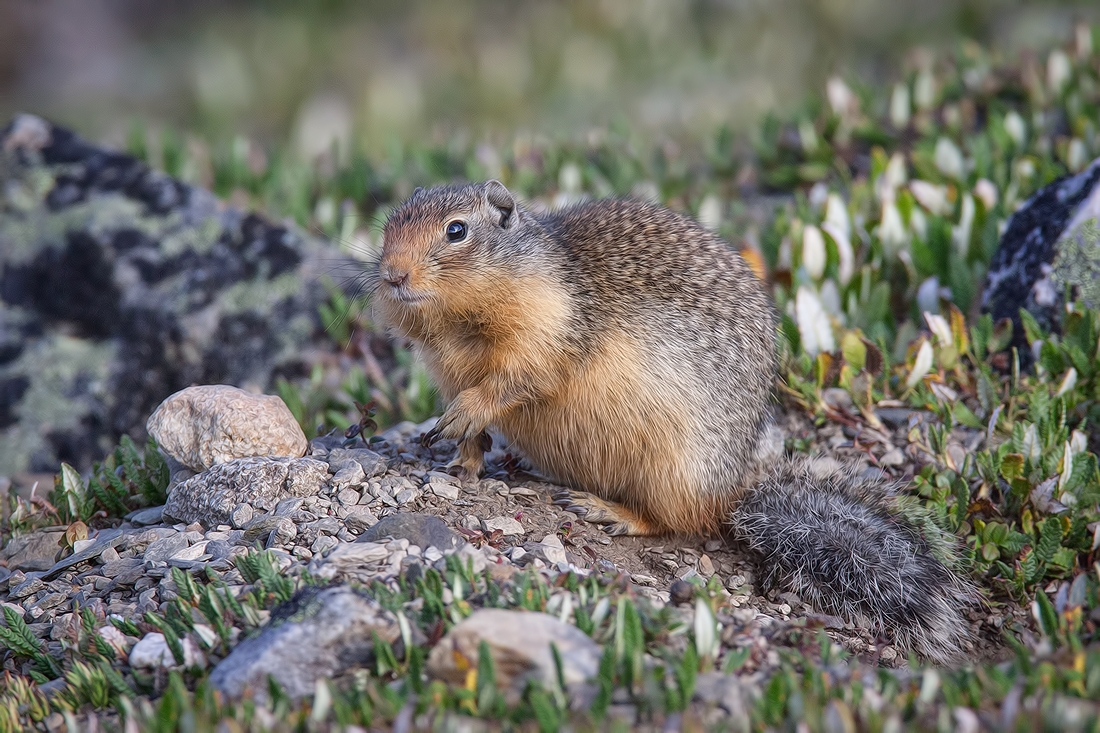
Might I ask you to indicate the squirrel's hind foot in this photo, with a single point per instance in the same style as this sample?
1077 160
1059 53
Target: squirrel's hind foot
615 519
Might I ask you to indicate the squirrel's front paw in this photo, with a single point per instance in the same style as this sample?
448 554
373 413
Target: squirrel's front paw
457 423
470 460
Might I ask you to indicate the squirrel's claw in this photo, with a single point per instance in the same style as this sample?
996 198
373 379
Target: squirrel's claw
454 424
614 519
426 439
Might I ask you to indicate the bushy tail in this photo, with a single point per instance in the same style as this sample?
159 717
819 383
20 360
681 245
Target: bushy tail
849 546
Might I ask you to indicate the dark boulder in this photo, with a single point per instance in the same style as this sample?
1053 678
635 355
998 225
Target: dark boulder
120 285
1050 244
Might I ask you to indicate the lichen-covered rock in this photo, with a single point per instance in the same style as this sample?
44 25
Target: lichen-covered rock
263 482
210 424
120 285
519 642
319 634
1051 242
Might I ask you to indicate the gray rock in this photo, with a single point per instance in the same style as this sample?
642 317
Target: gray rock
210 424
262 482
324 525
350 472
28 587
372 463
140 285
153 652
406 496
219 549
519 642
240 516
322 543
106 538
360 519
422 530
445 491
359 561
552 550
262 526
729 693
319 634
1049 243
165 549
146 517
34 551
288 507
348 497
507 525
125 566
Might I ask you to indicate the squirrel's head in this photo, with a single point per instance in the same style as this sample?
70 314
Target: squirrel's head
447 241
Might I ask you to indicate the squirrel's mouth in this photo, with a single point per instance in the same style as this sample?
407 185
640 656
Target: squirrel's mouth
405 294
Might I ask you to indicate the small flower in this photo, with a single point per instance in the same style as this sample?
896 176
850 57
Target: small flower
569 178
813 252
986 190
1059 70
708 640
1068 382
813 323
921 366
919 224
1029 446
818 196
1025 168
1067 471
841 98
949 159
1076 155
928 295
710 212
931 197
1016 127
1082 41
938 325
847 260
899 106
1078 442
836 213
808 136
960 234
924 89
784 260
891 230
830 298
895 173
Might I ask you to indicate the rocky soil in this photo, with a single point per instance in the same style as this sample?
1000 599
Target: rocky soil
352 512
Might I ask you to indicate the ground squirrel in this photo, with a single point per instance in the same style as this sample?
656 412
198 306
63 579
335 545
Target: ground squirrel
630 354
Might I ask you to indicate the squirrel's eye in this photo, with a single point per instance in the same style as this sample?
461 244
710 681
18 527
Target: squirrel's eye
456 231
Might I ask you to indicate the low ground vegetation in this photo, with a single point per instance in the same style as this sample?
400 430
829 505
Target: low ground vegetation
875 213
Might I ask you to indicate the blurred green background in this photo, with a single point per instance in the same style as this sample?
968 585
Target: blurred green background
370 72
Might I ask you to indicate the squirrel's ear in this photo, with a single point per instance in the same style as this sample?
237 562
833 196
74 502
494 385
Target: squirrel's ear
417 191
500 198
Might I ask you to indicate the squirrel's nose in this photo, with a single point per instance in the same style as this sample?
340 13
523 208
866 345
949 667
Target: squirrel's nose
396 278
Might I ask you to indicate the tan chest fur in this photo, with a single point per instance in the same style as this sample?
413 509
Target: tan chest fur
620 431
